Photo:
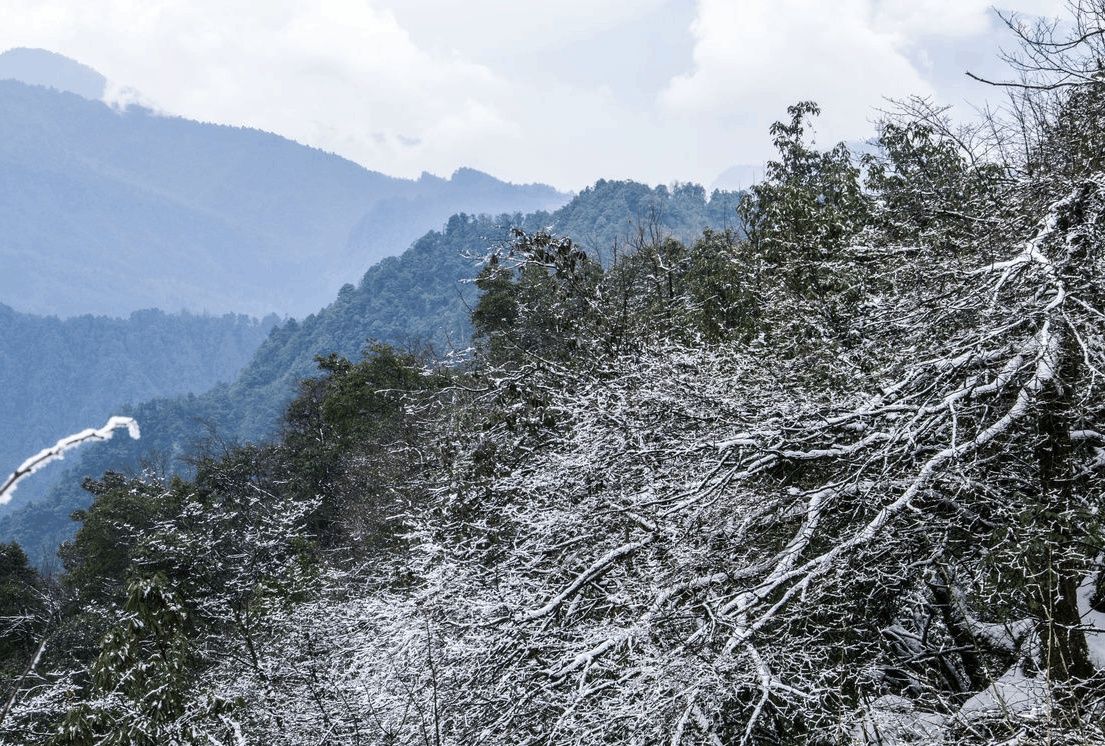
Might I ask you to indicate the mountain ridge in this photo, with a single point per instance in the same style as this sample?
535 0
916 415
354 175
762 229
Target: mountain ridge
45 68
162 211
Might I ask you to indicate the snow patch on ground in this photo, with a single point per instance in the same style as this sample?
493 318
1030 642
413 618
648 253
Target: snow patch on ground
1094 621
1012 693
894 721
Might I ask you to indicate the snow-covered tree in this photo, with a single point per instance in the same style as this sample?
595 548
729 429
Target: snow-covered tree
754 542
834 479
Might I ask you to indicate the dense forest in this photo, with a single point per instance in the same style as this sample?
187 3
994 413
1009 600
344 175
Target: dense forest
56 376
418 301
831 478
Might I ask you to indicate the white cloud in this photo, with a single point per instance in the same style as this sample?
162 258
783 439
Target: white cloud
918 18
954 19
753 58
340 74
494 28
399 96
409 85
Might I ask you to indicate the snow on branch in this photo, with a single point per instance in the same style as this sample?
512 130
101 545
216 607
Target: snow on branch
58 450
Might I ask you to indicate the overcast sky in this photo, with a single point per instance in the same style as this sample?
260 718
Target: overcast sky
558 91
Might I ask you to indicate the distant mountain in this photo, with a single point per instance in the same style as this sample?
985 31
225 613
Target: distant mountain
43 68
744 175
740 176
420 298
107 211
57 377
386 223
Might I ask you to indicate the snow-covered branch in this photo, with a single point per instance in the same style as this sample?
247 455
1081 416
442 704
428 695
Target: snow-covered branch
59 449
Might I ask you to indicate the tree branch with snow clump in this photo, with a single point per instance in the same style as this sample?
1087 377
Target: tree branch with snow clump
58 450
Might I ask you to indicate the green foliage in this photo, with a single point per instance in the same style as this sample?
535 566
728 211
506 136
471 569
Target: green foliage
23 612
808 207
205 562
101 553
929 190
348 438
1071 142
545 309
703 290
722 286
141 681
809 204
497 310
544 298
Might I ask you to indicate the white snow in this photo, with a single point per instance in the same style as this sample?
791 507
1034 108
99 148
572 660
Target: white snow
1094 621
1011 693
894 721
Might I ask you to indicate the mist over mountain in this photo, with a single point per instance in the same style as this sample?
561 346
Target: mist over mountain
108 211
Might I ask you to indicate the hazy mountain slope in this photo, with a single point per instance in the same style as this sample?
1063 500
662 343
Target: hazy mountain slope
468 191
57 376
40 67
419 298
106 211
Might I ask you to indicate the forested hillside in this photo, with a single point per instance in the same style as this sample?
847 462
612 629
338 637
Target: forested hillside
107 211
833 478
419 301
58 376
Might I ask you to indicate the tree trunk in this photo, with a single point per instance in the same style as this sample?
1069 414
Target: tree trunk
960 633
1064 653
